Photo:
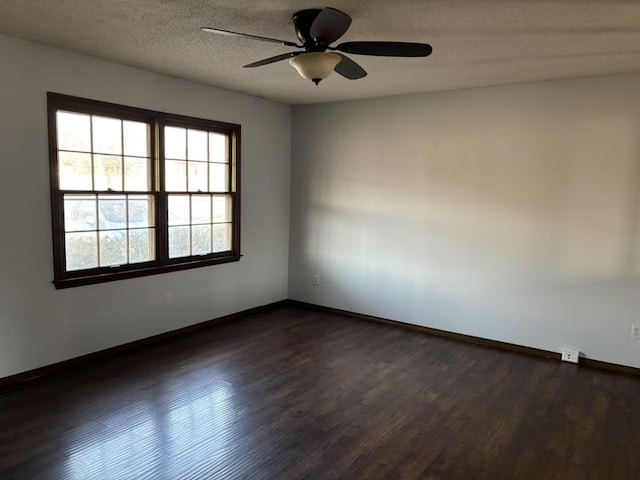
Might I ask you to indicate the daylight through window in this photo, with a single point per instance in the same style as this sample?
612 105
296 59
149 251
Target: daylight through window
136 192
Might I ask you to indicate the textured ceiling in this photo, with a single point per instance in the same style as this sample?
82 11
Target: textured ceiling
475 42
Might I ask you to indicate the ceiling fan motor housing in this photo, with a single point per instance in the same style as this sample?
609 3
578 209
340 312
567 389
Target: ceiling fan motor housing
302 22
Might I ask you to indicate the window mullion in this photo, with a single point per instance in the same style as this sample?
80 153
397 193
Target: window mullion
162 245
93 160
211 239
126 212
190 224
98 229
122 172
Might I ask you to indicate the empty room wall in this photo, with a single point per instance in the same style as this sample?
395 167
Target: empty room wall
40 325
510 213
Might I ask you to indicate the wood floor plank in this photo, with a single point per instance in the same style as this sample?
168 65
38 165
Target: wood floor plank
297 393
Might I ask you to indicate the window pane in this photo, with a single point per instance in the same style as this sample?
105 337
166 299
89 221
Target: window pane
107 171
197 145
218 148
136 174
79 212
136 138
179 213
112 213
221 237
75 171
201 209
113 248
198 177
175 176
221 209
107 135
141 245
141 211
81 250
218 177
175 143
179 241
74 131
201 239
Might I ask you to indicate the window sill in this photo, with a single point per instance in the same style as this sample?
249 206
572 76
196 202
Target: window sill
78 281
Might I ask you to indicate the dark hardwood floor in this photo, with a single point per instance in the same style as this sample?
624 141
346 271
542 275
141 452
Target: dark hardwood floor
299 394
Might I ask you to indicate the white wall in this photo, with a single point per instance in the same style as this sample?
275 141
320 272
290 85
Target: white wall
510 213
40 325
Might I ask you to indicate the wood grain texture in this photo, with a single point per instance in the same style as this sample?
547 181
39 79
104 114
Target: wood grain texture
298 393
21 380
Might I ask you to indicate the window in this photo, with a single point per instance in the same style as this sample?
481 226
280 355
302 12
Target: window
136 192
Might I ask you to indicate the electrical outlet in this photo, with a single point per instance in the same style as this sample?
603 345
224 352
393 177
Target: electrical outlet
316 279
570 355
635 332
168 300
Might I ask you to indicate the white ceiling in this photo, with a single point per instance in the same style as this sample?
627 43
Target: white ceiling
475 42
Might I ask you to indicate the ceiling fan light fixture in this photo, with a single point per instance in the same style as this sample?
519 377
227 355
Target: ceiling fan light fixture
315 66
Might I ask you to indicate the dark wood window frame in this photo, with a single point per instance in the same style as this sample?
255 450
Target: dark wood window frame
156 121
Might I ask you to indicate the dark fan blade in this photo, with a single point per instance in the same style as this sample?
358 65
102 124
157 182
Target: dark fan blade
386 49
330 25
246 35
269 60
349 69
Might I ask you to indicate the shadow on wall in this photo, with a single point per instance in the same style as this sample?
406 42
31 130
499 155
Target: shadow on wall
510 213
487 263
511 220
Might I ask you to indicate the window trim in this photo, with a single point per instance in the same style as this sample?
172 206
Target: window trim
156 120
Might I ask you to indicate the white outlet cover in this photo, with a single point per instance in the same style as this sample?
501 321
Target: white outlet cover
570 355
168 300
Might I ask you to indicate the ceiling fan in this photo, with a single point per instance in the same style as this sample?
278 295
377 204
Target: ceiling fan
317 29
